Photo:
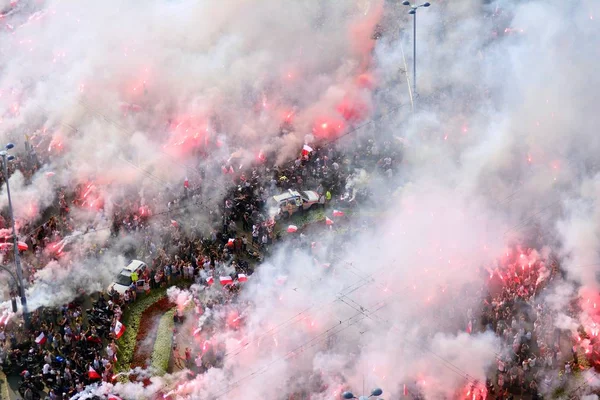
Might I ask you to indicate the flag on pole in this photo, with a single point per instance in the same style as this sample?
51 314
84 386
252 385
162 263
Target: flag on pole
174 223
328 221
230 242
119 329
92 374
292 228
225 280
114 397
41 339
186 183
22 246
210 280
405 391
338 213
242 278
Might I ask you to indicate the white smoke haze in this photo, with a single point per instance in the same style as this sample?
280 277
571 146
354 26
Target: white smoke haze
502 150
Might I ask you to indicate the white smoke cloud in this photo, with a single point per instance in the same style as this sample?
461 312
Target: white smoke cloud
502 149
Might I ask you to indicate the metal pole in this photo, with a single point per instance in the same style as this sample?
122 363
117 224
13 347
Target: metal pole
415 53
16 246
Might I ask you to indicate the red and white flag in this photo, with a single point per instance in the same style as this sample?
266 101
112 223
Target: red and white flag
405 391
338 213
92 374
470 327
328 221
210 280
230 242
281 280
225 280
41 339
119 329
242 278
22 246
186 183
174 223
306 150
292 228
114 397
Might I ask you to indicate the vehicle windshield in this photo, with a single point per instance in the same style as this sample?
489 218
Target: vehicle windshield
124 280
304 196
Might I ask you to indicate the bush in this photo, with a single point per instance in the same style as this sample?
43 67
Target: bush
161 354
132 315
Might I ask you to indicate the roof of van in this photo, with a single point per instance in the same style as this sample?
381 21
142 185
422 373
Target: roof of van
286 195
134 265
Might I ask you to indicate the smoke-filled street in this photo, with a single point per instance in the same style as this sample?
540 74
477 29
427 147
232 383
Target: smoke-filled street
299 200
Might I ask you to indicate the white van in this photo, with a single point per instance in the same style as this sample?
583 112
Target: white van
123 281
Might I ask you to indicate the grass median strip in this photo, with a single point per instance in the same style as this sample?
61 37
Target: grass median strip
132 316
164 340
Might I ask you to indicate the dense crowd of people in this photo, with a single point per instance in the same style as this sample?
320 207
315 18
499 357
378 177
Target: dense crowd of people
67 348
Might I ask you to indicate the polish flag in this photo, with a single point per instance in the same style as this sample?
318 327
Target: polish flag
210 280
230 242
225 280
92 374
328 221
50 174
113 397
281 280
41 339
326 265
306 150
470 327
242 278
174 223
337 213
292 228
405 391
119 329
22 246
186 183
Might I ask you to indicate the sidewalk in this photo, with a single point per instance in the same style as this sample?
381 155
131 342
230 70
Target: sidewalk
4 394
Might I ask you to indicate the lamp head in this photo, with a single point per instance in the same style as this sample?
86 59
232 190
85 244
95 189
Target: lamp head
426 4
412 12
10 158
9 146
376 392
348 395
406 3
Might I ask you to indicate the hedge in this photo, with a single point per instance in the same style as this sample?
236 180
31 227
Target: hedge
132 315
161 354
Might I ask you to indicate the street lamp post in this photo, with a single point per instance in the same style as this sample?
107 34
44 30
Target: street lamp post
413 11
374 393
5 159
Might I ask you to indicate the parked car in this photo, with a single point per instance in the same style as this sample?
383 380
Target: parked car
123 280
290 202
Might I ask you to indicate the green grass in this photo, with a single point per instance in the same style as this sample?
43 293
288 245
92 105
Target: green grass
161 354
132 316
